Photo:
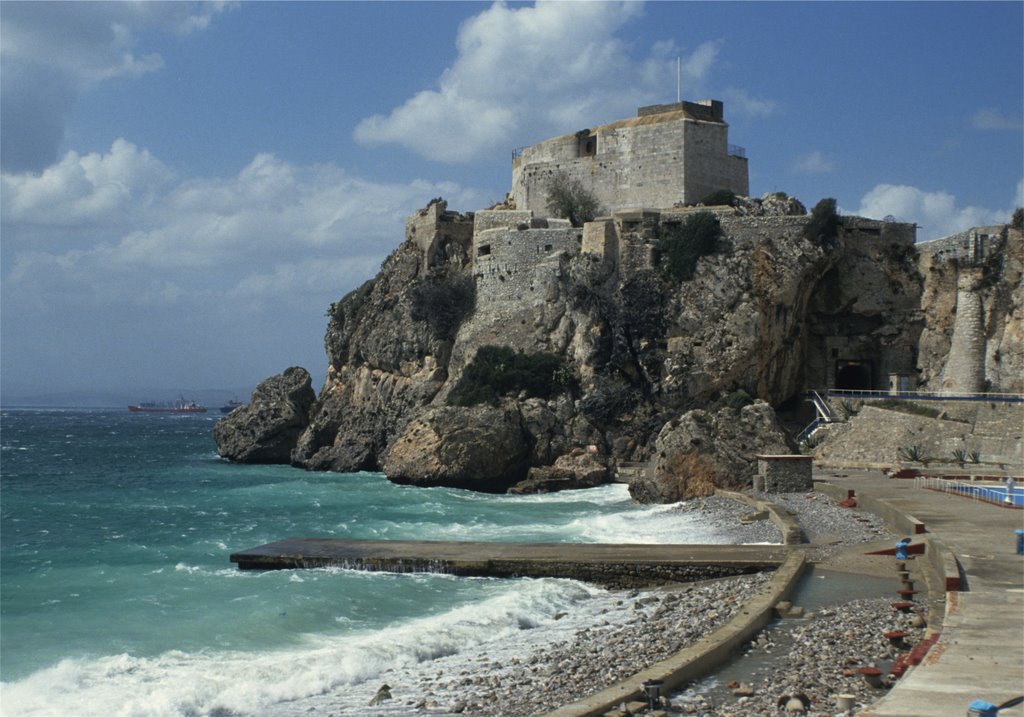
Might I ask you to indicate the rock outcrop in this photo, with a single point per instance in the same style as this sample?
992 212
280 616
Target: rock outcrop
770 310
579 469
480 448
266 430
705 450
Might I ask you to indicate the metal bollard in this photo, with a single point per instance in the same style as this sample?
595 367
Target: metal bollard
901 549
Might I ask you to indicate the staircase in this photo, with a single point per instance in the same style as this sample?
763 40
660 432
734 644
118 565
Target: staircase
825 415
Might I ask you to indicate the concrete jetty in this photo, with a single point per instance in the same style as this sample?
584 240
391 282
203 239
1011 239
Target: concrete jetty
605 564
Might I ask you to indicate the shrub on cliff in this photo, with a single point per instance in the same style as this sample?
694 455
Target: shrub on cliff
568 198
1017 220
498 370
681 245
823 226
350 304
443 302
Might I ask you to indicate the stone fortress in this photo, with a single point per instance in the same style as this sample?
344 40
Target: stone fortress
647 172
770 312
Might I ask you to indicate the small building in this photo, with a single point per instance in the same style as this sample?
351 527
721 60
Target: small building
667 155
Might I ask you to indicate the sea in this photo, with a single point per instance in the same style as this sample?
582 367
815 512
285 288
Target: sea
117 596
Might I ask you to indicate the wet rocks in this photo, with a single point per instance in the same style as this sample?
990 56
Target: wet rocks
265 431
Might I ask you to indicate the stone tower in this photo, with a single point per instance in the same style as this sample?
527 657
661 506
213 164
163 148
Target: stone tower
665 156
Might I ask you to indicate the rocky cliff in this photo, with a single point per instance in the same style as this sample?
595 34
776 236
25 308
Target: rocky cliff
495 344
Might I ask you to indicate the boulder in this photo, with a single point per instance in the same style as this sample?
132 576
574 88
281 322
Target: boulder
578 469
705 450
479 448
265 431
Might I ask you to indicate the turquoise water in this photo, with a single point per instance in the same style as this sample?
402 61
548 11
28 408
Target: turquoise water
118 597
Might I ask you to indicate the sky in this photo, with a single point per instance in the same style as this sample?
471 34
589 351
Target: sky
187 187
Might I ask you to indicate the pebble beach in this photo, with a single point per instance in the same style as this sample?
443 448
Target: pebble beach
617 634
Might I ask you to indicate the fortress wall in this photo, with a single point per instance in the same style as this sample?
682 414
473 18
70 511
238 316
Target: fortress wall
517 265
971 246
707 165
500 219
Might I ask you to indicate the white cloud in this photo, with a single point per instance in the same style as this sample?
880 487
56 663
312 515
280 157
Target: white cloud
739 100
113 266
525 73
107 224
52 52
992 118
816 162
936 213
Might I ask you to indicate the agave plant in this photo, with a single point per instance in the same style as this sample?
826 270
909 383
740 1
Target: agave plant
911 453
975 456
960 455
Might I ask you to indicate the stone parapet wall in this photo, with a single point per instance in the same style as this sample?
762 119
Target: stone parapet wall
784 474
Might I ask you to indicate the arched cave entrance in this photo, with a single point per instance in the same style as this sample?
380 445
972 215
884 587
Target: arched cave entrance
854 376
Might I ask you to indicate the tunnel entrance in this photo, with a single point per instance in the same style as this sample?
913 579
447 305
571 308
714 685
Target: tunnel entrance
854 376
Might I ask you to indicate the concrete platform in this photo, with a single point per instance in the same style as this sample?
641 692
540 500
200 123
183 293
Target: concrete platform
980 652
612 565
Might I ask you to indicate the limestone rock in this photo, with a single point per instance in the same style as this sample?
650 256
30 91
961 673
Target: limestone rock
705 450
265 430
480 448
578 469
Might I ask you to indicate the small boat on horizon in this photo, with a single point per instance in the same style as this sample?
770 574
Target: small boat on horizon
179 406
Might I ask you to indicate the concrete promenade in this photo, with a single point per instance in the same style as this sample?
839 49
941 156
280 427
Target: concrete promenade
980 653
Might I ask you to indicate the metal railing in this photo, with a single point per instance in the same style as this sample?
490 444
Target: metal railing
964 489
923 395
737 151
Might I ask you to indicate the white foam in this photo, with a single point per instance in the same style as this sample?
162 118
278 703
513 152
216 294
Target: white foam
176 683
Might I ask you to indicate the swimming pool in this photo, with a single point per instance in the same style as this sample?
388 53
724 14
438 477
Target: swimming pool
990 494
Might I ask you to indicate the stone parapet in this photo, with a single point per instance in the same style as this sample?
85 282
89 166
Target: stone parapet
784 474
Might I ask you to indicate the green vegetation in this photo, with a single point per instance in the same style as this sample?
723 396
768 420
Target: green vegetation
568 198
911 453
975 456
1017 220
823 226
849 407
683 244
443 302
498 371
720 198
812 441
960 455
350 304
735 400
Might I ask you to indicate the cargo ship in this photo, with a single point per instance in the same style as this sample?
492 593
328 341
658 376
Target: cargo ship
179 406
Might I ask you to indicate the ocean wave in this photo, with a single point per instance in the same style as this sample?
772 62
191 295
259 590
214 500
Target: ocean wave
176 683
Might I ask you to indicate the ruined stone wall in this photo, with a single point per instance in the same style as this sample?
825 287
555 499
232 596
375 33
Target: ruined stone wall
513 265
439 233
